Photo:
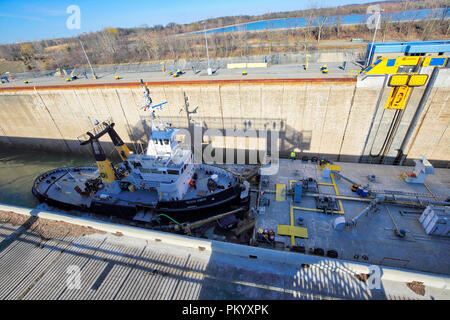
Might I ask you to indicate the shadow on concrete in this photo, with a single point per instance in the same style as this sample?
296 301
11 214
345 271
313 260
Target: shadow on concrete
256 278
148 273
290 139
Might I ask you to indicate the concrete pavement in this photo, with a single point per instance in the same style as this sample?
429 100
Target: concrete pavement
272 72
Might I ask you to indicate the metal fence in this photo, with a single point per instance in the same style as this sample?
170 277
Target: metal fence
198 65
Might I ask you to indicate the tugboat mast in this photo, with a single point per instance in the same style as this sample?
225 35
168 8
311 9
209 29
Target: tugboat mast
156 125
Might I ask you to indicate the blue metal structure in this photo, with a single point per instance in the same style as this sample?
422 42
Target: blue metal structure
407 48
298 190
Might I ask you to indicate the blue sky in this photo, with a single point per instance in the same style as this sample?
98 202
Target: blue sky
22 20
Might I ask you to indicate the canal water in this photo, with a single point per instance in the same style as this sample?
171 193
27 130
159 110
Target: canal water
19 168
287 23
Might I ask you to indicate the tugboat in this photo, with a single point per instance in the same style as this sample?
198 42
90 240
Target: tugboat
163 184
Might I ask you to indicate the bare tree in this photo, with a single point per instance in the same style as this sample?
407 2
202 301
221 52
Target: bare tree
338 26
429 24
310 20
321 21
386 20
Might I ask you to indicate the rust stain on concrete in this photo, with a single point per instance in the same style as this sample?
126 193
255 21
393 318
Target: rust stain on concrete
178 83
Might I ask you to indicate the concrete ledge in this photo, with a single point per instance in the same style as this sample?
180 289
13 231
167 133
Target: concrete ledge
105 85
129 231
254 254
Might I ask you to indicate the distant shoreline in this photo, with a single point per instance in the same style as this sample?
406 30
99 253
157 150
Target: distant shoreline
362 16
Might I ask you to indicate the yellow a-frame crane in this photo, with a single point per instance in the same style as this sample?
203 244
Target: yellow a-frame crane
105 168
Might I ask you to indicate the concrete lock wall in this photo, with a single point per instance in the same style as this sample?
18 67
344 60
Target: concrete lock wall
331 117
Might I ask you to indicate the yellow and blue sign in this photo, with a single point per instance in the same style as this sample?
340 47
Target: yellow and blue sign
438 61
417 80
391 65
403 64
413 80
398 97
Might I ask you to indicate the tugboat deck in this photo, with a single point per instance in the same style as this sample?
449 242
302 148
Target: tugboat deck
201 189
60 186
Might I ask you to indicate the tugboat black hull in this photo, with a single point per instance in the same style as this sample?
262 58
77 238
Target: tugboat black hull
180 211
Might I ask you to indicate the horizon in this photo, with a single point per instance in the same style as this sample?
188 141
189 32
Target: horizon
31 22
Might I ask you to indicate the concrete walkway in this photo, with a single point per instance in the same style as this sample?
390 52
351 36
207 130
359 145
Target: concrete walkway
272 72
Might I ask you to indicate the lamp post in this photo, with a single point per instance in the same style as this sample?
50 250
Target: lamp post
207 51
306 62
374 35
87 58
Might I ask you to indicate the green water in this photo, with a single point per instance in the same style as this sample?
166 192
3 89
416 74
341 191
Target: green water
18 169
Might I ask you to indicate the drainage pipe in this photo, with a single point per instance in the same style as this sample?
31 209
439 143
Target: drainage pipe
199 223
370 207
418 113
380 96
345 178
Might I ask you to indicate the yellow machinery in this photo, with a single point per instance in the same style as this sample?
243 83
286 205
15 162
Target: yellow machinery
123 151
120 146
105 168
106 171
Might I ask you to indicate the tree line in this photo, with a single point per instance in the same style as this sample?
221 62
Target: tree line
159 43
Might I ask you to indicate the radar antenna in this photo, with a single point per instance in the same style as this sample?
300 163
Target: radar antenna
157 123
